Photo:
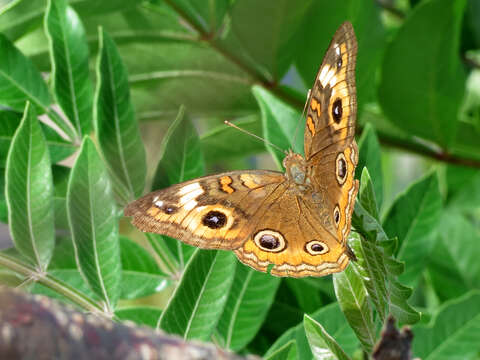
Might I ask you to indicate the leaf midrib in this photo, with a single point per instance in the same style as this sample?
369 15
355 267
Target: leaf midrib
197 302
117 123
237 307
451 337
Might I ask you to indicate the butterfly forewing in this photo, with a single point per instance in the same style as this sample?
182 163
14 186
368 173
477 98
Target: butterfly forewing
213 212
332 106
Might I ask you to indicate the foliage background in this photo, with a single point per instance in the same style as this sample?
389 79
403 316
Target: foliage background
133 95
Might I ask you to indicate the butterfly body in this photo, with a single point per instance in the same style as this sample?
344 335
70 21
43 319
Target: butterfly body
296 223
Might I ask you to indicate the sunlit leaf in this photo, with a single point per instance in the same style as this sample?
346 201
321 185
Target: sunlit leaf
250 298
323 345
198 301
93 224
70 74
116 126
353 300
29 192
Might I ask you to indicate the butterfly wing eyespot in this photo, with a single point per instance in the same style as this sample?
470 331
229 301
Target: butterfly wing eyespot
341 168
215 219
270 240
316 247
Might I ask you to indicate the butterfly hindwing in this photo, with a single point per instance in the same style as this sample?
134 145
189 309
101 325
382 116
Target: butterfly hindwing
292 237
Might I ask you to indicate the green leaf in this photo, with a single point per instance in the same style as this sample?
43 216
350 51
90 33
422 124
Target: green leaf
367 194
454 265
425 72
181 160
454 333
217 143
323 346
369 152
69 57
116 127
379 270
463 187
71 277
29 192
20 81
412 218
333 321
26 16
197 304
181 154
64 254
141 275
141 315
353 300
286 352
205 14
250 297
307 295
3 201
270 27
93 224
371 263
61 175
58 147
279 121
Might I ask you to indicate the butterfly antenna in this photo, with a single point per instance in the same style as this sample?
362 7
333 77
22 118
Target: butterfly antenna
255 136
301 116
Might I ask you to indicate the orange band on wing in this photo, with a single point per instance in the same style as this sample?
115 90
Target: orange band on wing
311 125
225 182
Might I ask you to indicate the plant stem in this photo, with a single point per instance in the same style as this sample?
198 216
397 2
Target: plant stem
51 282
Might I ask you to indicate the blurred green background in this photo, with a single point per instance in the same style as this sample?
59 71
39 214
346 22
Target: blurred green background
418 88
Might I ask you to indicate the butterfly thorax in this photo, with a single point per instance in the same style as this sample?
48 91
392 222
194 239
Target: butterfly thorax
296 171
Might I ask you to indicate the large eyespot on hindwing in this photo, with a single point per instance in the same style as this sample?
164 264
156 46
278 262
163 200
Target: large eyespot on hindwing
341 168
316 247
270 240
336 215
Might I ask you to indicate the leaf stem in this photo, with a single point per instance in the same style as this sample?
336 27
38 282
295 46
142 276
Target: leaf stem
51 282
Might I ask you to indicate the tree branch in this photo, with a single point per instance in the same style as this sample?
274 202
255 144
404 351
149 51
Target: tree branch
37 327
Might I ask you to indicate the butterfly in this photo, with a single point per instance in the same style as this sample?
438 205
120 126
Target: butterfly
294 223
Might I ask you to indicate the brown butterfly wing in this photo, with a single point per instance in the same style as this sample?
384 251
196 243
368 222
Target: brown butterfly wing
330 147
212 212
292 238
332 106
